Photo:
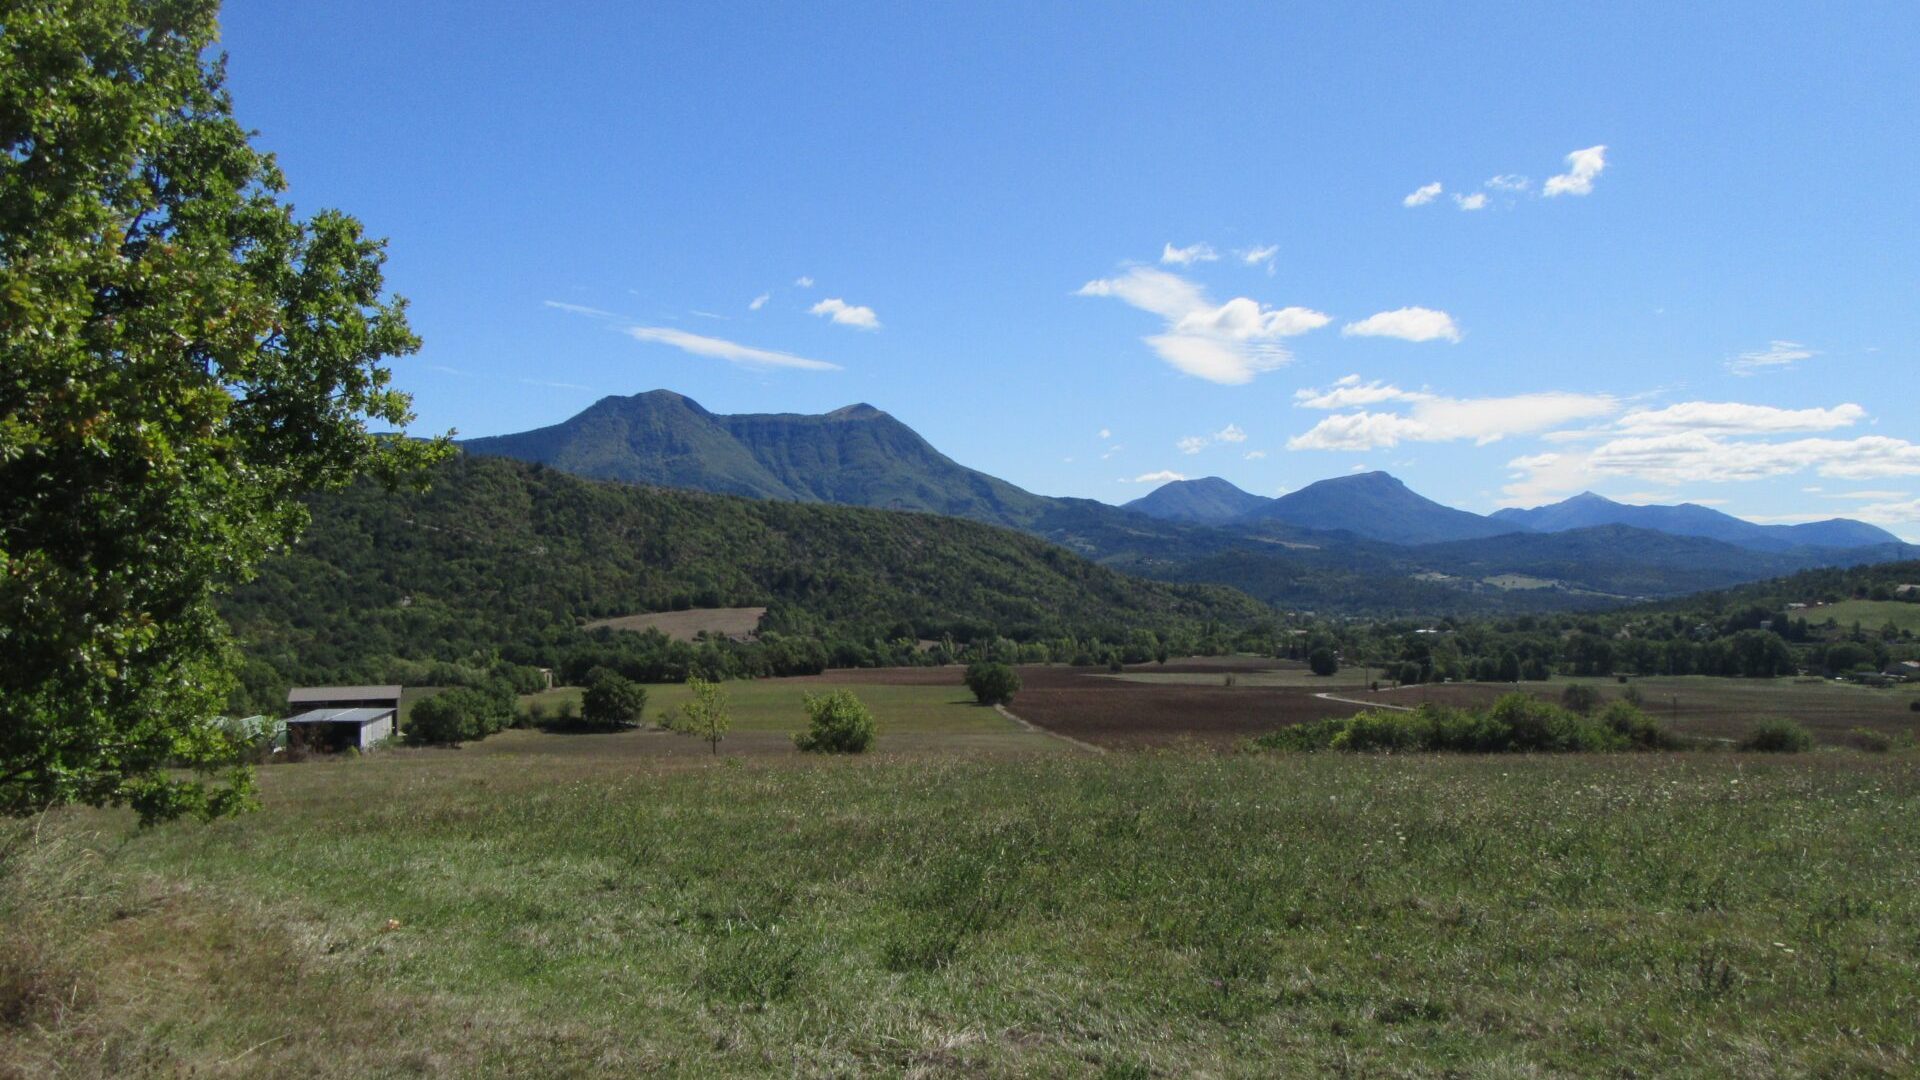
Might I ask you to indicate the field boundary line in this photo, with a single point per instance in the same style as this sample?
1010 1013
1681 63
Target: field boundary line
1037 729
1366 704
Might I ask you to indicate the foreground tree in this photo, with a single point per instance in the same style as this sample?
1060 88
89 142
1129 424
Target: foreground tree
184 360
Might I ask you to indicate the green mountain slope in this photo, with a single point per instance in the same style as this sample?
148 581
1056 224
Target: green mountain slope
856 456
500 555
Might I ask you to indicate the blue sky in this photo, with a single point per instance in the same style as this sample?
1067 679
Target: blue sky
1078 246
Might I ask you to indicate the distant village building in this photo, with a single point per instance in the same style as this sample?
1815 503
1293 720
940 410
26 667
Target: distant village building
338 717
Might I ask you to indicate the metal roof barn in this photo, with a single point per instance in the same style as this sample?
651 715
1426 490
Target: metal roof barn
338 729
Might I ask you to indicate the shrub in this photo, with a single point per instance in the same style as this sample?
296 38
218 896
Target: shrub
1777 737
1580 697
1385 731
612 700
1642 732
705 712
1302 738
451 717
1914 705
992 683
1323 661
837 723
1873 742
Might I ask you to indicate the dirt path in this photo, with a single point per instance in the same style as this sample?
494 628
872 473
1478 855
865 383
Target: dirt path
1002 710
1364 704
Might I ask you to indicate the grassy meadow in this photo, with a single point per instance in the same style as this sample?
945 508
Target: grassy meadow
526 908
1870 614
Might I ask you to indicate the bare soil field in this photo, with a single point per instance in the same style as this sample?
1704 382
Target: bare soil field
1090 705
1707 706
734 622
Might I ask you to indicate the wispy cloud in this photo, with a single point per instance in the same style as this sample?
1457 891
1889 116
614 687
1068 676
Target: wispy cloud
1229 343
1422 195
1736 418
1162 477
1513 183
1230 434
847 314
1430 417
1407 324
759 301
730 351
803 281
1255 455
1260 256
1191 444
1475 201
1698 457
1187 256
1777 354
1583 166
548 383
579 309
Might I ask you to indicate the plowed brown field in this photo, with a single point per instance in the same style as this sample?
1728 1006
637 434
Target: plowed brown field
1089 705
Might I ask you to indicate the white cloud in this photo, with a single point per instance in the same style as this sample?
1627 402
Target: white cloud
847 314
1112 450
1162 477
1475 201
729 351
1105 434
1422 195
1582 167
1257 256
1256 455
1512 182
579 309
1434 418
1776 354
710 315
759 301
1892 513
1735 418
1230 434
1348 392
1877 496
1192 444
1407 324
1187 256
803 281
1226 344
1680 459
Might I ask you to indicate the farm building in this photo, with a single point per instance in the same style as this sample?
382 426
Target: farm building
339 717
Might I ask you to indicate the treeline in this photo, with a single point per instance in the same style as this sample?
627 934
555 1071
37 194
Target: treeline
1765 630
492 571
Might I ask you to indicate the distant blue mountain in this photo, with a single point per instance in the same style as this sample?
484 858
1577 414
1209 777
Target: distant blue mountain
1206 501
1587 510
1379 507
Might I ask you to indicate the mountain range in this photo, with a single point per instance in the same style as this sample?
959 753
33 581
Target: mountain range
1364 542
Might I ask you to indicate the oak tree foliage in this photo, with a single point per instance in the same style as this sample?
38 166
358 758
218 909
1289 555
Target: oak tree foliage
184 359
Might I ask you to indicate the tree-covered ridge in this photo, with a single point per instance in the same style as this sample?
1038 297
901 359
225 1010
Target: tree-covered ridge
508 559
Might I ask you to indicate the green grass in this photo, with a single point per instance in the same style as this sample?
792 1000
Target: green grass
1870 614
1128 915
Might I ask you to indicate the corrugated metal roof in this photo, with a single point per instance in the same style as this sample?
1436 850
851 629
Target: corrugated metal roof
342 693
362 717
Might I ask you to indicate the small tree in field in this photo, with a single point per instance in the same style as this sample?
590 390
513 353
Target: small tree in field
612 700
705 713
837 723
992 683
1323 661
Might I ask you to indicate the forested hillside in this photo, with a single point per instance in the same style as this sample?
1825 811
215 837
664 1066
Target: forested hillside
501 557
